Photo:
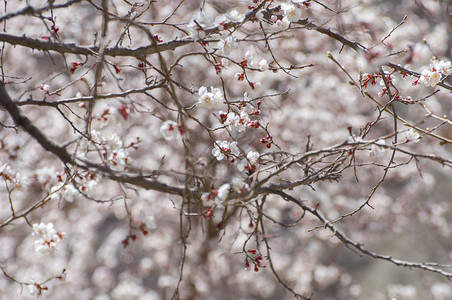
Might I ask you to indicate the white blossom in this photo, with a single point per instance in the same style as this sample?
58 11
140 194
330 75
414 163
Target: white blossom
376 149
45 88
235 16
202 19
441 66
120 157
46 175
225 45
32 288
284 23
207 198
326 275
257 86
113 147
212 99
236 122
20 182
411 135
222 147
48 237
291 12
398 291
223 194
148 220
441 290
263 65
260 15
69 193
224 63
249 56
252 157
170 130
430 78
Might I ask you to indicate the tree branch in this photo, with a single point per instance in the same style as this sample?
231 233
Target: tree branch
22 121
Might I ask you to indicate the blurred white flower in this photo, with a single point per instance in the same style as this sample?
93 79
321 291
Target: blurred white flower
46 175
411 135
32 288
284 23
225 45
148 220
45 88
376 149
170 130
223 194
249 56
263 65
398 291
441 66
69 193
224 63
20 182
441 291
260 15
256 86
48 237
235 16
291 12
239 185
207 198
326 275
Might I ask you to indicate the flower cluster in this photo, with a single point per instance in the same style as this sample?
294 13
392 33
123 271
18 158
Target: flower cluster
235 121
64 190
256 258
36 288
196 25
19 181
113 150
366 78
432 76
291 12
212 99
249 165
224 148
218 196
62 187
203 20
48 237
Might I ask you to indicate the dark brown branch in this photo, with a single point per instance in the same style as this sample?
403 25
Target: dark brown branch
22 121
354 45
45 45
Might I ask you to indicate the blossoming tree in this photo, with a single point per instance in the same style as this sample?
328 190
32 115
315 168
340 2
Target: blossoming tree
162 149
